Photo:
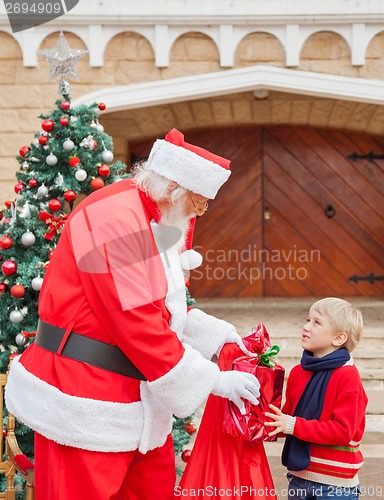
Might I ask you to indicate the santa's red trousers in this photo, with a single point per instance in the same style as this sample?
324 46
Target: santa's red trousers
66 473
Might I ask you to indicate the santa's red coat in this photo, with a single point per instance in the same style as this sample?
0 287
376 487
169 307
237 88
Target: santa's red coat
110 280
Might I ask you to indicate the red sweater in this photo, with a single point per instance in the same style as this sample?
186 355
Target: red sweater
335 456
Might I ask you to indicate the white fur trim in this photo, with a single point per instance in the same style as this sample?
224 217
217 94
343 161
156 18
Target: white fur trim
184 388
175 300
157 421
190 259
205 333
188 169
73 421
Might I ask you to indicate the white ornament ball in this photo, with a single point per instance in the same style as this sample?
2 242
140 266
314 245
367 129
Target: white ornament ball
16 316
99 128
28 239
35 141
51 160
42 191
107 156
81 175
68 145
37 283
93 124
20 339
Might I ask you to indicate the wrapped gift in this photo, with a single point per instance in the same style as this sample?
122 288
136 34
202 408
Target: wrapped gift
221 462
270 374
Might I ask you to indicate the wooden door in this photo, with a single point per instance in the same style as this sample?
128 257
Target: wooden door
296 217
231 231
326 213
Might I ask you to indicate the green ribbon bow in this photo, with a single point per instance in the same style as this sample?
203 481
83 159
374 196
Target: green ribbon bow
271 352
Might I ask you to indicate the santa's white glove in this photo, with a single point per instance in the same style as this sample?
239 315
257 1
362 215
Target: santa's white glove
235 385
233 337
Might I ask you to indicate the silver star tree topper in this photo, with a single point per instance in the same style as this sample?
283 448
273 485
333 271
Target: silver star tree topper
62 60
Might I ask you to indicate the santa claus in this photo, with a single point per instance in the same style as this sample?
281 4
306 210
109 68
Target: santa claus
117 352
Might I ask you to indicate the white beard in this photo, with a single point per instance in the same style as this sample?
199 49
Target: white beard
176 217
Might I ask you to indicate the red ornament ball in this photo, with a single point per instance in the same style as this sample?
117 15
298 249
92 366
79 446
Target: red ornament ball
47 125
17 291
70 195
1 215
4 433
64 121
8 203
74 161
97 183
104 170
43 139
33 182
54 205
3 288
65 105
185 456
102 106
6 242
18 187
190 428
24 150
9 267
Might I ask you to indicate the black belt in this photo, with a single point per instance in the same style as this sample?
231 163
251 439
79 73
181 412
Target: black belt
87 350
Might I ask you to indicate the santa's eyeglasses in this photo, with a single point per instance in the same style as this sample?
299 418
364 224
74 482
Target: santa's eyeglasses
203 205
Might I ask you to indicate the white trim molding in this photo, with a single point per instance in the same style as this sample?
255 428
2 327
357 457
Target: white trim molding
225 22
234 81
162 35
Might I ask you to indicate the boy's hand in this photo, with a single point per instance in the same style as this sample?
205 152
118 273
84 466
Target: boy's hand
280 420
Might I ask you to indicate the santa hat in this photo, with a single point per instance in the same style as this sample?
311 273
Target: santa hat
192 167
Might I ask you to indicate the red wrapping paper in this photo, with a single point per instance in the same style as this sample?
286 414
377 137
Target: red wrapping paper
251 425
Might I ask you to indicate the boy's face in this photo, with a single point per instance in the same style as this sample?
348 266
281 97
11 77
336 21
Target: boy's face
319 335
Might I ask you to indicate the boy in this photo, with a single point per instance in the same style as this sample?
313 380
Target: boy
324 413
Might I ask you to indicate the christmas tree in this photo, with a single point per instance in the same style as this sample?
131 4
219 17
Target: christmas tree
68 159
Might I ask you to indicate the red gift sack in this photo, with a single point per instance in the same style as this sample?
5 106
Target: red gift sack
223 465
271 377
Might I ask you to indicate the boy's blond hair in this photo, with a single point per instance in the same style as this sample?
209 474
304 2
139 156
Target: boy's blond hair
345 318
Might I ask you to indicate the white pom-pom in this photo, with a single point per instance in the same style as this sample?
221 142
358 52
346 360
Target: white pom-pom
190 259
